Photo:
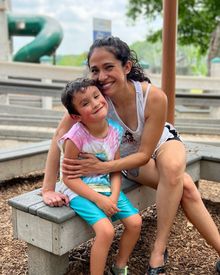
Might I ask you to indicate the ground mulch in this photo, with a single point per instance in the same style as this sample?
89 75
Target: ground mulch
188 252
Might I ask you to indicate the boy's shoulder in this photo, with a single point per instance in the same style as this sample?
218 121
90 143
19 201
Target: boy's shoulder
75 130
76 126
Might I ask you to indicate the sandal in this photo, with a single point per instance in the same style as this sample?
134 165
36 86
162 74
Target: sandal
159 269
155 270
119 271
218 266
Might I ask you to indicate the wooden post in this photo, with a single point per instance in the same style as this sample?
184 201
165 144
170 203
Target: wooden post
169 55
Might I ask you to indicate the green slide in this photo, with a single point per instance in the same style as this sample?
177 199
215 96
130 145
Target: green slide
47 31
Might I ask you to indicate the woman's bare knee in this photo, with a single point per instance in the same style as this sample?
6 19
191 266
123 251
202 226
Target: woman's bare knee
171 163
172 173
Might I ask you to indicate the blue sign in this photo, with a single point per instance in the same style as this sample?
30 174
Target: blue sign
100 34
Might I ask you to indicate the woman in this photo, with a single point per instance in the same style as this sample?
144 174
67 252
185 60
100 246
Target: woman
150 145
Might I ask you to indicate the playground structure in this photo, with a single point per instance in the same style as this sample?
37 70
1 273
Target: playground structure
47 31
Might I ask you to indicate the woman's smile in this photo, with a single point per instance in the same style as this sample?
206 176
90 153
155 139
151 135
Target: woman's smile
107 86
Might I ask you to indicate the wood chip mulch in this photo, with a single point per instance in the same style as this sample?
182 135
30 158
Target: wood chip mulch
188 252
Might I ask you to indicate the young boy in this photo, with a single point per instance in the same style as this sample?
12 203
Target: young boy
97 198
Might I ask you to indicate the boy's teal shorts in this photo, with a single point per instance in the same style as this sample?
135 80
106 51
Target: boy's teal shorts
91 213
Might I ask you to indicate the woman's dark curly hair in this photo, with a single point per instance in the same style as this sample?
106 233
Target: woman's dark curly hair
123 53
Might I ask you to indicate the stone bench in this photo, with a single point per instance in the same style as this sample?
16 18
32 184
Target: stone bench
23 160
184 109
51 233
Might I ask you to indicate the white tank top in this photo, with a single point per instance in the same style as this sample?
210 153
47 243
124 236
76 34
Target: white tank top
131 139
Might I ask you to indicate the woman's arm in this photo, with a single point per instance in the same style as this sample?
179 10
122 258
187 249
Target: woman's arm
115 178
51 197
155 118
82 189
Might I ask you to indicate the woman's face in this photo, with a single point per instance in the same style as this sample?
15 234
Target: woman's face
108 70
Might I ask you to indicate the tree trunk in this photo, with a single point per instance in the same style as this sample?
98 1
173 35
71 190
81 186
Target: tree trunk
214 47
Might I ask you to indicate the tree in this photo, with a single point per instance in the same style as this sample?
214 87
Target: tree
198 22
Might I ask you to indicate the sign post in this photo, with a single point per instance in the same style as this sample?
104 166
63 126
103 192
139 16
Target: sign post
101 28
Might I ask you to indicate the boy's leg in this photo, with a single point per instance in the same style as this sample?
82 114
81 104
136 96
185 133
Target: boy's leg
132 222
103 228
128 239
104 231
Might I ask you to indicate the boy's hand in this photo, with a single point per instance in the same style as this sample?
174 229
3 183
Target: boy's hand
53 198
107 205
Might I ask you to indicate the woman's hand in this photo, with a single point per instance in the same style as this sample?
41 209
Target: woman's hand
86 166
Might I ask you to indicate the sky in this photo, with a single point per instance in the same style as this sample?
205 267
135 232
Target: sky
76 20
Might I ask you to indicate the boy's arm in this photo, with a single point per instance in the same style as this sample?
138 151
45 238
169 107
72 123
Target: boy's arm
115 182
82 189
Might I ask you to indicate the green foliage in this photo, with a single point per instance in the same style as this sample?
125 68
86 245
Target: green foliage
189 59
150 8
149 52
197 19
72 60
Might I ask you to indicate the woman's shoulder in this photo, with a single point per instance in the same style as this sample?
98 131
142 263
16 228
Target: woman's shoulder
157 94
154 92
144 86
156 99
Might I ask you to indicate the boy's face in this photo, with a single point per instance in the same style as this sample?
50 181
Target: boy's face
90 104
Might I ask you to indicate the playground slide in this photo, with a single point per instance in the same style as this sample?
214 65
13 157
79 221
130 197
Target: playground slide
47 31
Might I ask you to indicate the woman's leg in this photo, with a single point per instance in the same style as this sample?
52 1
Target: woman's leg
128 239
170 163
104 231
191 202
198 215
166 175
